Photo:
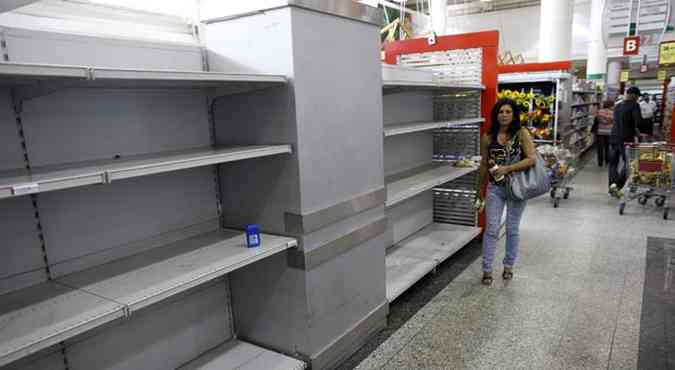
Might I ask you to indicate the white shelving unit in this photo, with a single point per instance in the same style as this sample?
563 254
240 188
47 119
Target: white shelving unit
425 246
418 180
397 79
408 128
28 74
43 315
40 316
560 80
243 356
416 256
49 178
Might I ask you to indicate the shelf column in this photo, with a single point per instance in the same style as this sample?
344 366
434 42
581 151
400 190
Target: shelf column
555 30
597 51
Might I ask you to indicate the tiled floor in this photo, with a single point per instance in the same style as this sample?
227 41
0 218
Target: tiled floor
576 301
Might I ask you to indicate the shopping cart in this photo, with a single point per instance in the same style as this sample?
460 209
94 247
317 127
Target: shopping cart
650 175
561 186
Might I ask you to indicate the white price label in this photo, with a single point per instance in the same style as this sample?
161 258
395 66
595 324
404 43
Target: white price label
25 189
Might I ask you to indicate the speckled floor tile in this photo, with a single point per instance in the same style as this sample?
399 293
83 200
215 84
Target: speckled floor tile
576 301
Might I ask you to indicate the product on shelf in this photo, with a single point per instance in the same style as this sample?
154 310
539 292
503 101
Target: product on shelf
657 179
535 111
559 162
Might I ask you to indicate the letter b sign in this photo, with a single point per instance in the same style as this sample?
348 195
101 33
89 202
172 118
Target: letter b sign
631 45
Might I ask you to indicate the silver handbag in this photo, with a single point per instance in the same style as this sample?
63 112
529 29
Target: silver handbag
528 184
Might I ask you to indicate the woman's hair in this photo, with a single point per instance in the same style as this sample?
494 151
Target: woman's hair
514 127
607 104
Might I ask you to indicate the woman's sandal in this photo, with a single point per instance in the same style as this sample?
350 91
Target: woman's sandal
487 279
507 274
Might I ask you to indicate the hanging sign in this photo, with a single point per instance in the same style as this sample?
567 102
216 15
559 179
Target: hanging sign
667 53
643 68
625 76
661 75
631 45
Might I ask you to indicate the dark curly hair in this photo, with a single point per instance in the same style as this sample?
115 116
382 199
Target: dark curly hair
515 125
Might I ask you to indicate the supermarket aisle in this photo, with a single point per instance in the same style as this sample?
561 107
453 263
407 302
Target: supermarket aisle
578 301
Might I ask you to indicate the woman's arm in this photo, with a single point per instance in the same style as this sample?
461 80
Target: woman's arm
530 153
483 171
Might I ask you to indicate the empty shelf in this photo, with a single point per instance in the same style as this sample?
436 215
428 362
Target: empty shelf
21 73
583 104
410 183
533 77
404 270
409 260
407 128
146 278
398 79
87 76
38 317
194 77
48 178
238 355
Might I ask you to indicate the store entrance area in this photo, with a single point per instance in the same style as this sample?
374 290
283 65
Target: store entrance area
592 290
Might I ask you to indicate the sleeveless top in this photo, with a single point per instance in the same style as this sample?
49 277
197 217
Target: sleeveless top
498 152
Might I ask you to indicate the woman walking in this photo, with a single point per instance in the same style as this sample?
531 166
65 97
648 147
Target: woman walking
506 142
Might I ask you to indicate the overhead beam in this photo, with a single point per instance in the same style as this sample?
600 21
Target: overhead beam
9 5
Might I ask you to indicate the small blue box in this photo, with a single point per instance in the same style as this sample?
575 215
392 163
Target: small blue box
253 236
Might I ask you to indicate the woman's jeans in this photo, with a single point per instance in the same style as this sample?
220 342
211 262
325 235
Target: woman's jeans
494 208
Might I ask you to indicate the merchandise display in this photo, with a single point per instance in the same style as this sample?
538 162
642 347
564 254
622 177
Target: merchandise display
536 111
650 175
656 170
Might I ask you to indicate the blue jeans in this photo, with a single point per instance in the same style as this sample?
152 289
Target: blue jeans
494 208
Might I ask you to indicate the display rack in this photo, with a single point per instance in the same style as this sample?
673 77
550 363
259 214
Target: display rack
36 317
453 83
574 112
244 356
551 83
411 259
410 183
58 177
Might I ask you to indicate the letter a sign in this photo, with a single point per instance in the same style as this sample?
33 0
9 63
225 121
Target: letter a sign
631 45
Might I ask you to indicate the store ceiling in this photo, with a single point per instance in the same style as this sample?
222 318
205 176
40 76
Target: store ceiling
464 7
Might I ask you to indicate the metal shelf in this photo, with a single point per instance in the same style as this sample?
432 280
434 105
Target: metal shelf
584 91
411 259
48 178
407 184
144 279
583 104
407 128
399 79
18 74
38 317
533 77
580 117
239 355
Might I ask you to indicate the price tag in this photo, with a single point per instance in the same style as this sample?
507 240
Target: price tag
25 189
625 76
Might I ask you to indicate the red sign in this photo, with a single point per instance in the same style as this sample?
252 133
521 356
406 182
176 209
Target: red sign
643 68
631 45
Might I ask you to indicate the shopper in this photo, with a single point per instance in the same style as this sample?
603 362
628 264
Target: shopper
506 139
627 117
647 111
602 127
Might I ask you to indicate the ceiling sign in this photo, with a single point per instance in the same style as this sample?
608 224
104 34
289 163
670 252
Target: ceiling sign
631 45
667 53
624 77
661 75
